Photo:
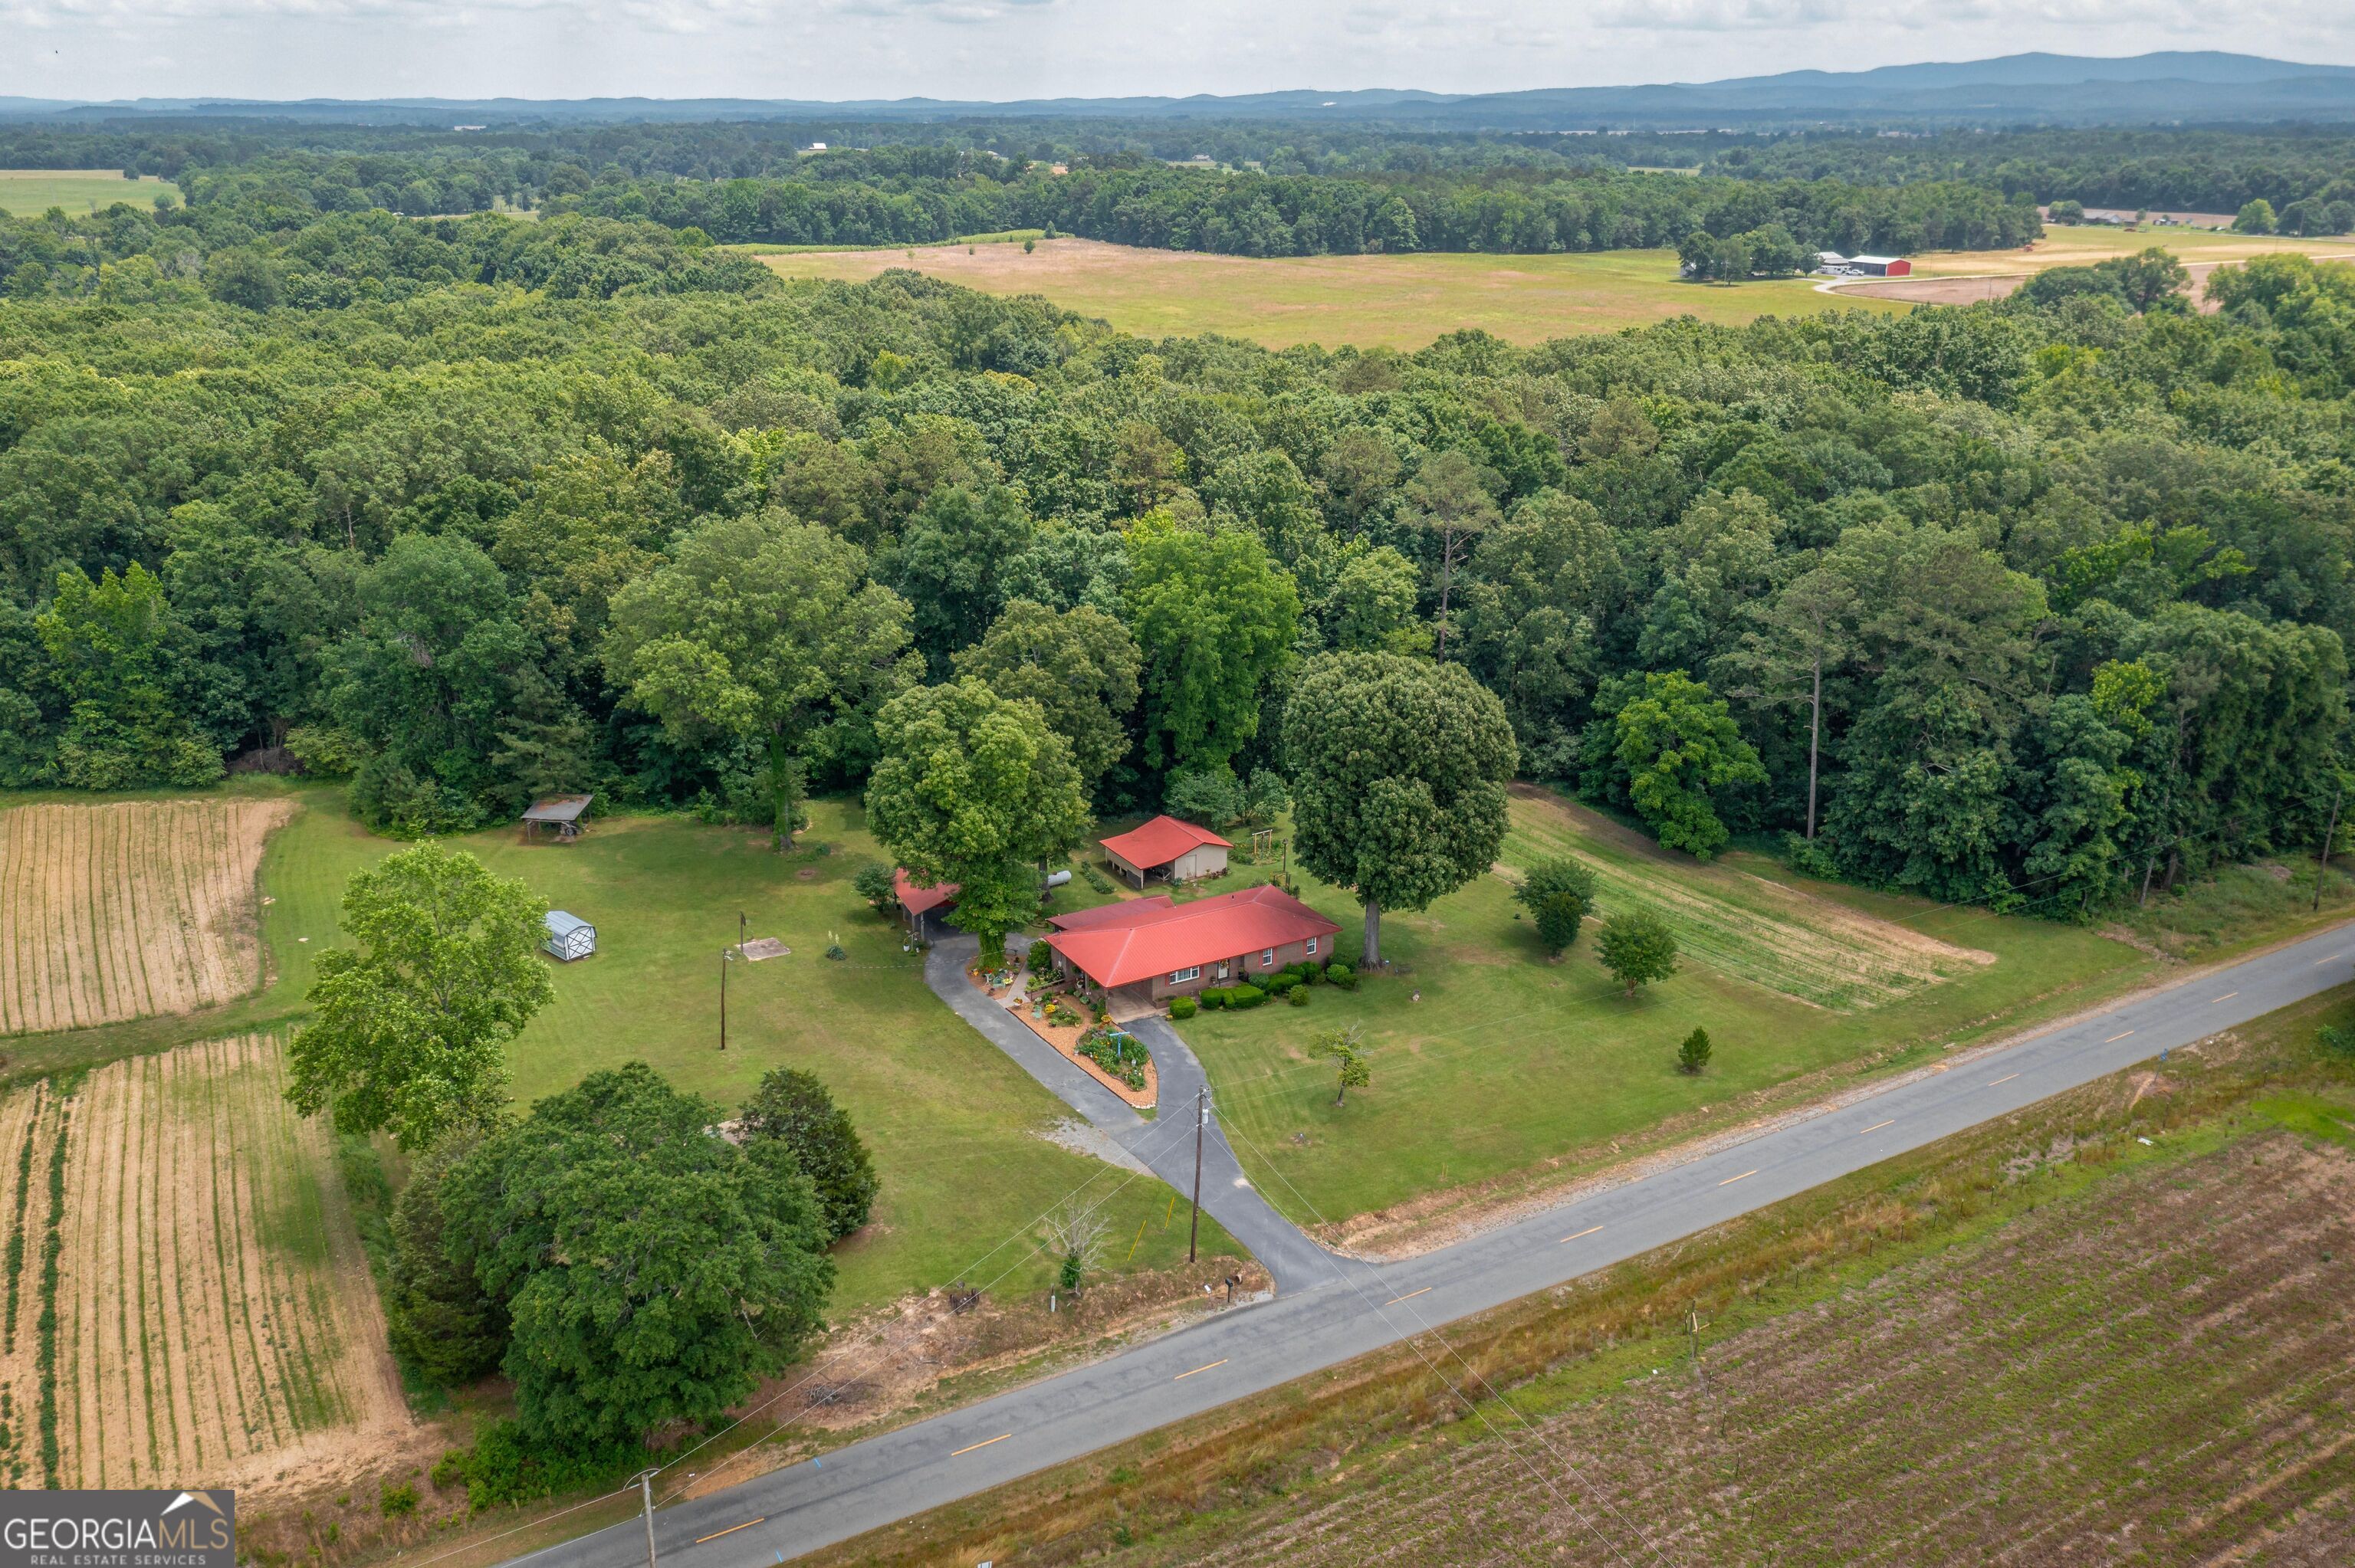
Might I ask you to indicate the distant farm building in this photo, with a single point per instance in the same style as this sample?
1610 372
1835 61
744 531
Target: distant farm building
917 904
1829 261
1149 948
1881 266
569 936
1167 849
561 815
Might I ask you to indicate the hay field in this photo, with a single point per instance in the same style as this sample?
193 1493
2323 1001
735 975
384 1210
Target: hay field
1772 934
186 1299
1371 301
128 909
28 193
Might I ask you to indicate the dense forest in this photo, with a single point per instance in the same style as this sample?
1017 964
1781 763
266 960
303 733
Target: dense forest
2019 603
2304 173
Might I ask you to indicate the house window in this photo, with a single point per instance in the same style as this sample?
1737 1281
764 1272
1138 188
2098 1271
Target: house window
1179 977
1267 960
1312 947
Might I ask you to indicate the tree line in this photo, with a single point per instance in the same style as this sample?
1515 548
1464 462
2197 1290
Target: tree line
2019 604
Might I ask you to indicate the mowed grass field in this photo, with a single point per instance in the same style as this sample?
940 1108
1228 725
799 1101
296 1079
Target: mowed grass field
1368 302
1510 1066
28 193
136 907
186 1299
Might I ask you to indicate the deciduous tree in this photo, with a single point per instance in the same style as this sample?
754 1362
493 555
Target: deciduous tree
794 1107
974 789
1213 617
1638 948
411 1024
1398 768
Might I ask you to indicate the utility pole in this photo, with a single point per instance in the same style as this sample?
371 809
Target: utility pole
740 930
2329 833
646 1480
724 961
1201 1120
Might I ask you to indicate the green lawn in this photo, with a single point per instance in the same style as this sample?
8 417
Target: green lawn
951 1121
28 193
1510 1061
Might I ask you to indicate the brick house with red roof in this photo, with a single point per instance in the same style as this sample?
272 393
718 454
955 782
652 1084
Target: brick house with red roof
1166 848
1156 948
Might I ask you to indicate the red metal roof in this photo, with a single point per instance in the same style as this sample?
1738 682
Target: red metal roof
920 900
1161 840
1120 943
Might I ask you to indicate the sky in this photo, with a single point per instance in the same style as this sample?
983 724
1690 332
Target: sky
833 49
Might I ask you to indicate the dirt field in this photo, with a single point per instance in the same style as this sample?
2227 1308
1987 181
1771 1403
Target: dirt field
1805 948
2155 1372
121 911
214 1322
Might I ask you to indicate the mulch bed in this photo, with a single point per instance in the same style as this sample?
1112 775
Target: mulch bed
1066 1039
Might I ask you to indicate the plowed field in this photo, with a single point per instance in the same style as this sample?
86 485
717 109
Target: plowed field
2157 1373
129 909
186 1299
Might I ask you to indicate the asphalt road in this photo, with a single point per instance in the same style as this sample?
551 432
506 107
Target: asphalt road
1243 1351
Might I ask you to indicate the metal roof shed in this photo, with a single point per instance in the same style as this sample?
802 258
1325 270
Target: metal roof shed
562 812
569 936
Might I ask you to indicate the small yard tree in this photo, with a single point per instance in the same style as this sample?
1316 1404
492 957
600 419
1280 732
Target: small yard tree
1637 948
1398 769
1073 1234
873 883
410 1026
1557 893
974 789
793 1107
1346 1047
1693 1055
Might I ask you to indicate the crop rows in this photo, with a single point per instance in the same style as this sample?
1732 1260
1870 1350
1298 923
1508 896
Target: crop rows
129 909
2154 1373
213 1317
1803 946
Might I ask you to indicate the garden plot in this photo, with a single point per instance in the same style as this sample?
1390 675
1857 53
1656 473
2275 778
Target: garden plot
1795 943
129 909
186 1299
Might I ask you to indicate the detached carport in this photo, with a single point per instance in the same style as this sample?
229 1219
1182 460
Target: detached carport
1168 848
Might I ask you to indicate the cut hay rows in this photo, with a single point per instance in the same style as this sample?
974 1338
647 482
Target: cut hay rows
1803 946
129 909
215 1320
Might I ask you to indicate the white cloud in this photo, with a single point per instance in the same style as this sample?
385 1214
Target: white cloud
1015 49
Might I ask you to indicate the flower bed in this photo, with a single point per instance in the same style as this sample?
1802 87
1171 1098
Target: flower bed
1069 1038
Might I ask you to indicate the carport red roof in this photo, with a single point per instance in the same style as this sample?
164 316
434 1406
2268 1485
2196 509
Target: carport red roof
920 900
1118 944
1161 840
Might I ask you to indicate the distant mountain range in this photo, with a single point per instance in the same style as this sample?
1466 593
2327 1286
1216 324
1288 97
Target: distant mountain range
2173 86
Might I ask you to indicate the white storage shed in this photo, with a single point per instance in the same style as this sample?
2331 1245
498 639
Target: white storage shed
569 937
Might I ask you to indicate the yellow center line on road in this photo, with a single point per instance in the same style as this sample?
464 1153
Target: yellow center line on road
983 1443
731 1530
1729 1180
1182 1377
1408 1296
1876 1127
1587 1232
2005 1080
2117 1037
2332 960
2226 997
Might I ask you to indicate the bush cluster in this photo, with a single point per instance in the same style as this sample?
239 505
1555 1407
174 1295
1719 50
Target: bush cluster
1183 1007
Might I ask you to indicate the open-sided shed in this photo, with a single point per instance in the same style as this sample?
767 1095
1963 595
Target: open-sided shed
560 813
569 936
